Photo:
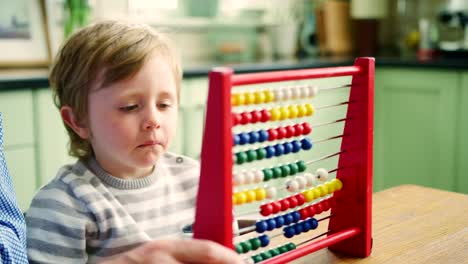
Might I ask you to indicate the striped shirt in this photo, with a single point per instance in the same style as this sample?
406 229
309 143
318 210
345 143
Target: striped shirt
85 215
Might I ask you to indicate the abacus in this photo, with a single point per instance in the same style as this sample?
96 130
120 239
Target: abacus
344 201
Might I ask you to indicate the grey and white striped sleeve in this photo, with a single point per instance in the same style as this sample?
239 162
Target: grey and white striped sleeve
56 226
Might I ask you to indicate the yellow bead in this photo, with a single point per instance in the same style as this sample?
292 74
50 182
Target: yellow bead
309 195
249 98
284 113
338 184
309 109
301 110
275 114
269 96
323 190
241 197
259 97
317 192
330 187
250 196
234 199
240 98
293 111
260 194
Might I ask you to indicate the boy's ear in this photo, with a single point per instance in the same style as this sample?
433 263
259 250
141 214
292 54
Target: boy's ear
71 120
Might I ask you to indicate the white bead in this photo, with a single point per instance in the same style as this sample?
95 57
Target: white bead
249 177
310 179
286 94
313 90
304 92
278 94
292 185
258 176
271 192
322 174
295 92
302 181
238 178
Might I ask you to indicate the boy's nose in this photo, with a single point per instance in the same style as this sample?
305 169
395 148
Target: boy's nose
151 120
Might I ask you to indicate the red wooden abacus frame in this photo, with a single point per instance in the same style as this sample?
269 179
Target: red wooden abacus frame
350 226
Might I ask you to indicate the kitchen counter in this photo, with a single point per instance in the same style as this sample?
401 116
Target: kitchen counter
13 79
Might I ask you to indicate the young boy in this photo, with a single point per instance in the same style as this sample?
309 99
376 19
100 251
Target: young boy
117 88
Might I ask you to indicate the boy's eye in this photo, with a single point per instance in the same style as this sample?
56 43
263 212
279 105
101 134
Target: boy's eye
128 108
164 105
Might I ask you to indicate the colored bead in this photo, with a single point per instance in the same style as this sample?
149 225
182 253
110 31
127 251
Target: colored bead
338 184
310 109
241 157
261 153
258 175
318 208
279 221
251 196
271 192
266 115
290 246
285 170
298 228
264 240
295 92
283 249
265 255
306 226
292 201
325 205
256 116
311 210
236 119
274 252
304 213
309 195
241 198
269 96
235 99
293 111
271 224
244 138
279 150
284 204
323 190
313 223
234 199
238 178
316 192
246 247
266 209
286 94
306 128
322 174
277 172
298 130
306 143
239 249
275 114
296 146
313 90
262 135
246 118
251 155
259 97
300 199
301 180
235 139
255 243
281 132
278 94
291 186
289 232
301 110
261 226
260 194
304 92
293 168
288 147
267 174
290 130
296 216
257 258
284 113
288 219
241 99
301 165
249 98
270 151
309 178
248 177
272 134
276 206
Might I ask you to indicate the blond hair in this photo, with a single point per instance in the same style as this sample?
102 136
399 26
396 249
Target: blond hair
110 50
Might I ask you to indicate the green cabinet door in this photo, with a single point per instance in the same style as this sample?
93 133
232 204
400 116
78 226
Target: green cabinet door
461 182
415 128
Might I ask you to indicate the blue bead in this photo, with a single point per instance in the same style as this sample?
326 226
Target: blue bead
298 228
253 137
261 226
287 147
296 216
288 219
244 138
263 135
313 223
271 224
289 232
296 146
279 150
306 143
270 152
264 240
235 139
279 221
306 226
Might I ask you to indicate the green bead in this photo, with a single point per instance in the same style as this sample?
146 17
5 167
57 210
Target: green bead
239 249
255 242
274 252
241 157
283 249
294 168
301 165
265 255
261 153
251 155
246 247
257 258
290 246
267 174
285 170
277 172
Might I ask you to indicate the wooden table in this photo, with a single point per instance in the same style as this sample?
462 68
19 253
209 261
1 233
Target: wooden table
412 224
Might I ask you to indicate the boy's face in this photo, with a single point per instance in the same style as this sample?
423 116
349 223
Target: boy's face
133 121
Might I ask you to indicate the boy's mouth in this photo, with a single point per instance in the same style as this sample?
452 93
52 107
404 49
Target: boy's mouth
150 143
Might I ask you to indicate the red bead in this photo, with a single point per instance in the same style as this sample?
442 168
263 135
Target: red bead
318 208
236 119
292 202
284 204
332 201
326 205
276 207
304 213
266 209
266 115
272 134
290 131
256 116
246 118
300 199
307 128
281 132
298 129
311 210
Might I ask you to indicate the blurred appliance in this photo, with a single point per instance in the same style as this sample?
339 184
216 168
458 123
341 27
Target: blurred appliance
453 29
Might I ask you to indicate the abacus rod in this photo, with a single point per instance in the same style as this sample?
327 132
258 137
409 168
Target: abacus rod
330 138
313 238
325 157
335 87
333 105
332 122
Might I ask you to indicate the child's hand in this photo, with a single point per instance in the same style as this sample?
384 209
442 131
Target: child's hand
177 251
